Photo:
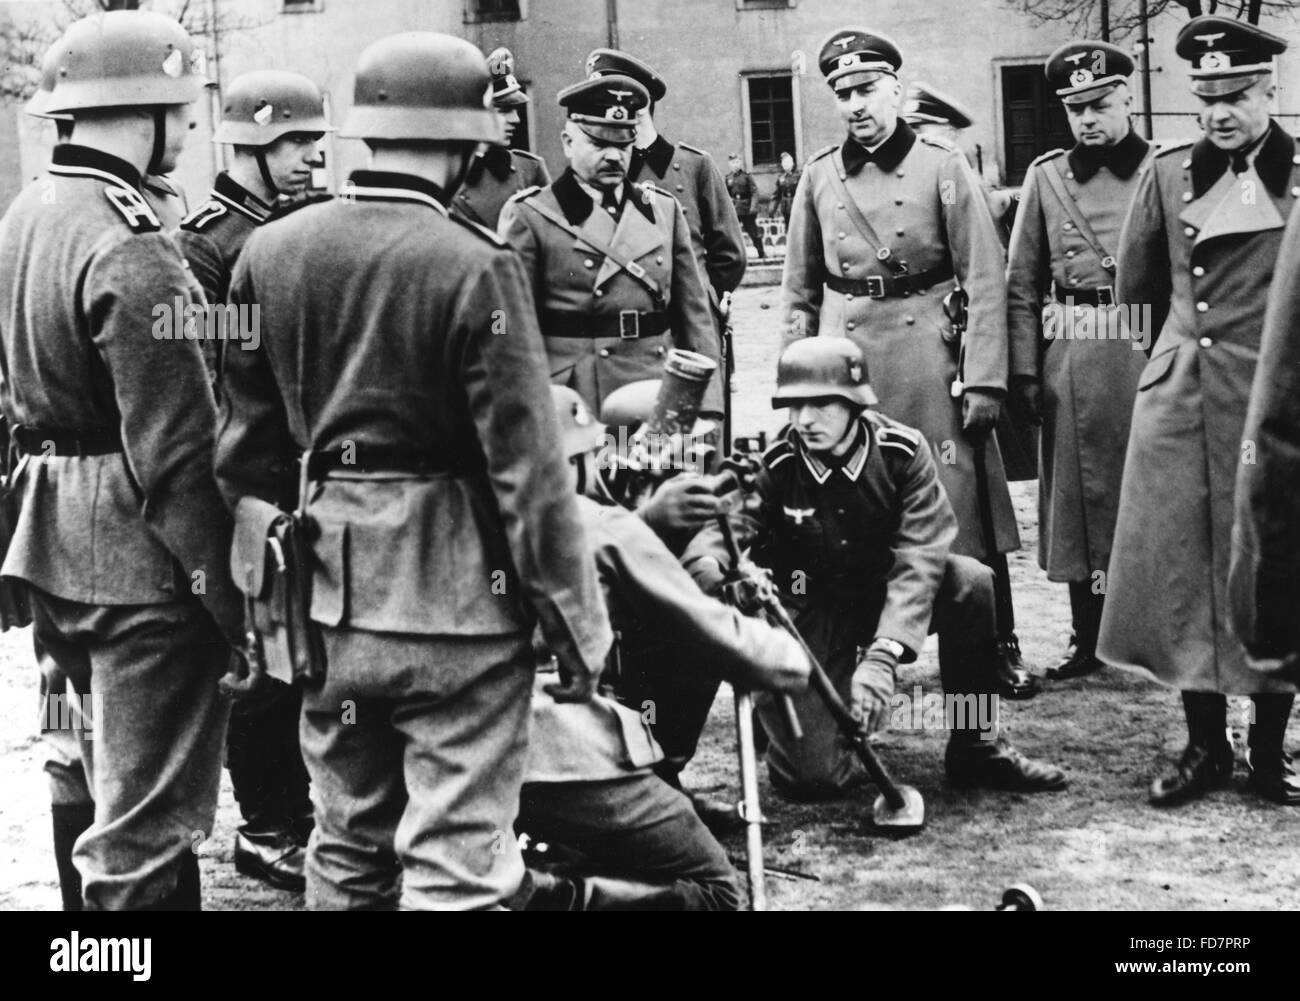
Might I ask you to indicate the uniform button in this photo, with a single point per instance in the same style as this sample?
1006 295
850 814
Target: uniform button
603 352
599 292
1206 342
848 296
681 187
843 236
677 166
898 201
659 258
589 263
1069 253
910 320
1068 226
900 174
659 351
1186 164
1295 192
1198 271
1189 231
1202 307
1296 160
841 205
850 325
844 266
1187 196
1069 175
898 232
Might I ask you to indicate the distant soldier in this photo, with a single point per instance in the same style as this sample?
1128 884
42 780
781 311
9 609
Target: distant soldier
610 263
122 539
856 531
1200 246
275 121
499 172
1076 364
881 226
787 182
744 199
401 360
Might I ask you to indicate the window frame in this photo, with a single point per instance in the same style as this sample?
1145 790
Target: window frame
796 116
473 15
301 6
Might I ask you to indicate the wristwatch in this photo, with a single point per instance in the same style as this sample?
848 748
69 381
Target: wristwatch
893 646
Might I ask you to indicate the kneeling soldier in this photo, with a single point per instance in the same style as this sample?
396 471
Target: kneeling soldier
856 529
589 785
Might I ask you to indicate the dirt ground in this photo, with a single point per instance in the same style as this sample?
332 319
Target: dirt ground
1097 845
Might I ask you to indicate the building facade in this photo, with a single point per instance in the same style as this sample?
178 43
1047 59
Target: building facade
742 74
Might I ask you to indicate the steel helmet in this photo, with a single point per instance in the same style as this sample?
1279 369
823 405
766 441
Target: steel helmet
39 101
125 58
506 89
262 106
423 85
814 367
580 432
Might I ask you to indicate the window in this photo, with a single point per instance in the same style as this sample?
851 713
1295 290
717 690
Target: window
765 4
494 10
1033 119
303 6
771 118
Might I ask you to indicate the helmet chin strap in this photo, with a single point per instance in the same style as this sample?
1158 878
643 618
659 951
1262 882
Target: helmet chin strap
267 179
159 139
577 462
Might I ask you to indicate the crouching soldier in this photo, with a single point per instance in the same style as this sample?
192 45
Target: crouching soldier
856 530
589 786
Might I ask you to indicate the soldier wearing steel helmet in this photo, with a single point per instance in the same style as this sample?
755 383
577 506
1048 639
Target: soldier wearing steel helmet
591 786
401 363
881 226
857 532
122 540
498 171
274 120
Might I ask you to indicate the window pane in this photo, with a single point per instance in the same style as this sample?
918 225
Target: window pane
771 117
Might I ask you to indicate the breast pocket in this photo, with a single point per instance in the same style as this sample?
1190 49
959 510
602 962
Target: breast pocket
1157 369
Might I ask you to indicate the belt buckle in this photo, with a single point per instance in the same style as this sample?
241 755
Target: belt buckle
875 286
1106 295
629 324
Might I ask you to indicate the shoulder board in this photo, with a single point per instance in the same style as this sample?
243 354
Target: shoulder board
131 205
903 439
519 196
1046 157
650 186
823 152
526 155
938 143
1174 147
478 230
691 149
202 216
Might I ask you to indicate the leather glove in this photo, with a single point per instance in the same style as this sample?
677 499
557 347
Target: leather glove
577 682
872 687
1027 398
979 411
683 503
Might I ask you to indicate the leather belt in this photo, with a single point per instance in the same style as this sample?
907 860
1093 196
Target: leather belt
628 324
58 441
1101 296
890 286
363 458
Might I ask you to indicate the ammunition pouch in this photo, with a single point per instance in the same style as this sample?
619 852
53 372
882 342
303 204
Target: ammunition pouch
15 608
268 561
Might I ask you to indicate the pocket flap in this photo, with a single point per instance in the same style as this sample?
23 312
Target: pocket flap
254 521
1157 368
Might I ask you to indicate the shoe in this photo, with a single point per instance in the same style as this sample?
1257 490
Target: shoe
995 764
1013 678
273 856
1274 779
1078 663
1200 769
719 816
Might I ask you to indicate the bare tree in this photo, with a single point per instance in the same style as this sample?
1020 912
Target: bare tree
1082 16
23 44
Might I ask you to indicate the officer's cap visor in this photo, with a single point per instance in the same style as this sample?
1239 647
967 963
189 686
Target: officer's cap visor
1225 86
857 78
606 131
1089 94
